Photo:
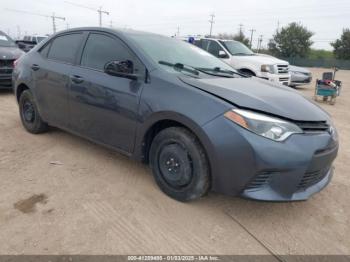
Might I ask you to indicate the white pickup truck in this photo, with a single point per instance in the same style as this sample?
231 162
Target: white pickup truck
246 61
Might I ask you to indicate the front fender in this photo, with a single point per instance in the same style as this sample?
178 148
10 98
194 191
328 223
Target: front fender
155 118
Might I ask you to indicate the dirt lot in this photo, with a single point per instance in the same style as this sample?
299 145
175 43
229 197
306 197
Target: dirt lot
60 194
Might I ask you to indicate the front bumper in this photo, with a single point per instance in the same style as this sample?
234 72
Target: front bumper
273 190
300 79
283 79
245 164
5 81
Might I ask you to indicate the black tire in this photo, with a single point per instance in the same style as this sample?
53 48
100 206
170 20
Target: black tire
247 73
179 164
29 114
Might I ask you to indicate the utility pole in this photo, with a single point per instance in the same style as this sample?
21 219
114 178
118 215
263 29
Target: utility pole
18 32
278 26
53 17
260 42
98 10
251 37
241 29
211 21
178 31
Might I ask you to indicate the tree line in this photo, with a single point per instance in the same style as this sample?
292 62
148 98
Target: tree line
294 40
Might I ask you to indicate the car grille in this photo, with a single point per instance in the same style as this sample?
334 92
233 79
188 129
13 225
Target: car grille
284 79
312 178
6 66
282 69
259 181
6 70
6 63
313 126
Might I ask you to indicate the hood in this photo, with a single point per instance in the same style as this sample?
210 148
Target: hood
261 95
299 69
10 53
262 59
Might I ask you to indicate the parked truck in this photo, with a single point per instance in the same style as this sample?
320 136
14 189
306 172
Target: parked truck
246 61
29 42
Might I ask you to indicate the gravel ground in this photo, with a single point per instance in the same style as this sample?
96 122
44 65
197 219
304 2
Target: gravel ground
60 194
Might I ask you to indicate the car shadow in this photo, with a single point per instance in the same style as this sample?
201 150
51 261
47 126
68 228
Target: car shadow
5 91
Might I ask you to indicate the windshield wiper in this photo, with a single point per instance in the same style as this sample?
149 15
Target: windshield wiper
217 71
181 67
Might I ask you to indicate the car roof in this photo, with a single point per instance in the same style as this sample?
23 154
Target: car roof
218 39
118 31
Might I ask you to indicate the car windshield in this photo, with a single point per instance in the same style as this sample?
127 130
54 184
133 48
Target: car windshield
236 48
165 51
6 41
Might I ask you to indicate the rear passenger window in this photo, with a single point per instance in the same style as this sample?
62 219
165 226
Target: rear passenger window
101 49
205 44
64 48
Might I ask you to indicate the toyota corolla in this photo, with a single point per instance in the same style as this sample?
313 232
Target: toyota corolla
197 122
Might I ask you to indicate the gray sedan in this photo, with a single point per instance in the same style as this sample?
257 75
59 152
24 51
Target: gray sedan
299 76
197 122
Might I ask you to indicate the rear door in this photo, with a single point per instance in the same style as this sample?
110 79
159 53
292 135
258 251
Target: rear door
104 107
52 71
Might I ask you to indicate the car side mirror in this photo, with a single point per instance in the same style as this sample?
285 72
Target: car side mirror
222 54
123 69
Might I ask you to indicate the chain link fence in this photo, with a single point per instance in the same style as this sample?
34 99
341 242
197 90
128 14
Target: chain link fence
321 62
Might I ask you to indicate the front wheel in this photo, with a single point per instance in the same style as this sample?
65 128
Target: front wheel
29 113
179 163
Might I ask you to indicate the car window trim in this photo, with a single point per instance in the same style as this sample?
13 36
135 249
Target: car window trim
60 35
43 47
114 37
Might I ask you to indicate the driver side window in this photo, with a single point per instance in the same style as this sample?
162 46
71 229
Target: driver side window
214 48
101 49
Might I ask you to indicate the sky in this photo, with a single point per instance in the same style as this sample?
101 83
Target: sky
325 18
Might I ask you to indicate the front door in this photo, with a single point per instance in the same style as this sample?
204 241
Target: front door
104 107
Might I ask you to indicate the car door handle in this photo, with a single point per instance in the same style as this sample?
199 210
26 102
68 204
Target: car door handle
35 67
76 79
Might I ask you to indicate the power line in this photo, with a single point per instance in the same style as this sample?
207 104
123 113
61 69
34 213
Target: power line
99 11
53 17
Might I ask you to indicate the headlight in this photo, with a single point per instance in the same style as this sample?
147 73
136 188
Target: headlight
332 130
267 68
263 125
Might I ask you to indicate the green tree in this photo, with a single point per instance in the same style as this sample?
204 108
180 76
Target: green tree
291 41
240 37
342 45
320 54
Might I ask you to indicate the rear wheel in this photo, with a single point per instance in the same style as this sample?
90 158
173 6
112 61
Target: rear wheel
29 113
179 164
